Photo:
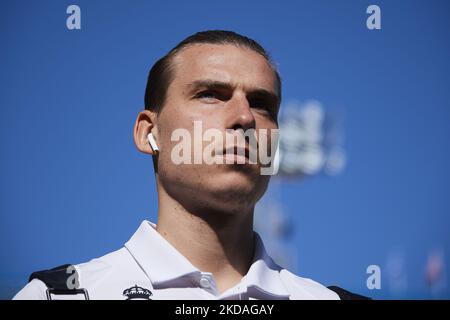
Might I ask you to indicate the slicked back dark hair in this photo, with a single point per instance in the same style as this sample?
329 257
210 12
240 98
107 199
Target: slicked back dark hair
161 74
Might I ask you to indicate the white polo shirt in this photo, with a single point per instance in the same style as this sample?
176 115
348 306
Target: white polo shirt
149 267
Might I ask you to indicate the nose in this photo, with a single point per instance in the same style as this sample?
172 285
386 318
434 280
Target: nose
240 115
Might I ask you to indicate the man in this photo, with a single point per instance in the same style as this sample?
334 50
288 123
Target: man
203 245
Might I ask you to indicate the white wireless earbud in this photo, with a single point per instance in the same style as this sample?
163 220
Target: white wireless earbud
152 142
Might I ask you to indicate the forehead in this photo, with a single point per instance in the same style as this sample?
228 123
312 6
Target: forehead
226 63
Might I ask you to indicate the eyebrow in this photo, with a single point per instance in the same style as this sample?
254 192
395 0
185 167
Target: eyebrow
214 84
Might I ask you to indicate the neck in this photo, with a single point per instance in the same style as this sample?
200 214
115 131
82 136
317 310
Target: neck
213 241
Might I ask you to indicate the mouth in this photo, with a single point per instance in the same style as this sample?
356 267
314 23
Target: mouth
236 155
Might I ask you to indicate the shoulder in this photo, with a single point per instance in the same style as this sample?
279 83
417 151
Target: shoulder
80 280
304 288
347 295
34 290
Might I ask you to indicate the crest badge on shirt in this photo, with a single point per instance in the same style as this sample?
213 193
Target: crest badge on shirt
137 293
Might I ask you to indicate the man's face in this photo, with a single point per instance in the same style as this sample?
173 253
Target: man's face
223 87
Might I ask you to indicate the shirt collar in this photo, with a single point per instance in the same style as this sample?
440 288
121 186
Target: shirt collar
264 273
163 263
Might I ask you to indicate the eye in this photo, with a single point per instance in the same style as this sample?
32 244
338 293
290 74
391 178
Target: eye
265 112
207 95
264 107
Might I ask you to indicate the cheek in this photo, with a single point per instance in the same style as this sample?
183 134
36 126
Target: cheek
269 131
175 122
170 119
190 117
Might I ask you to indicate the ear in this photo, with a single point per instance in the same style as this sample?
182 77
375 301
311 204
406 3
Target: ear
145 123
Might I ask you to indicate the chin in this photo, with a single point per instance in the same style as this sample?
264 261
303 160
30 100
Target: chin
232 189
236 186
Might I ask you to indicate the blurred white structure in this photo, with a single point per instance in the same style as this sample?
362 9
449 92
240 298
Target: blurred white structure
311 142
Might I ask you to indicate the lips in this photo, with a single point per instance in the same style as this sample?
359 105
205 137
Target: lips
237 155
237 151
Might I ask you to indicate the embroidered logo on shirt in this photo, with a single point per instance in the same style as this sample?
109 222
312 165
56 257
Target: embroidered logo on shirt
137 293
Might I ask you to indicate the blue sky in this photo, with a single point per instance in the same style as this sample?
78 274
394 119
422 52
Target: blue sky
73 186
